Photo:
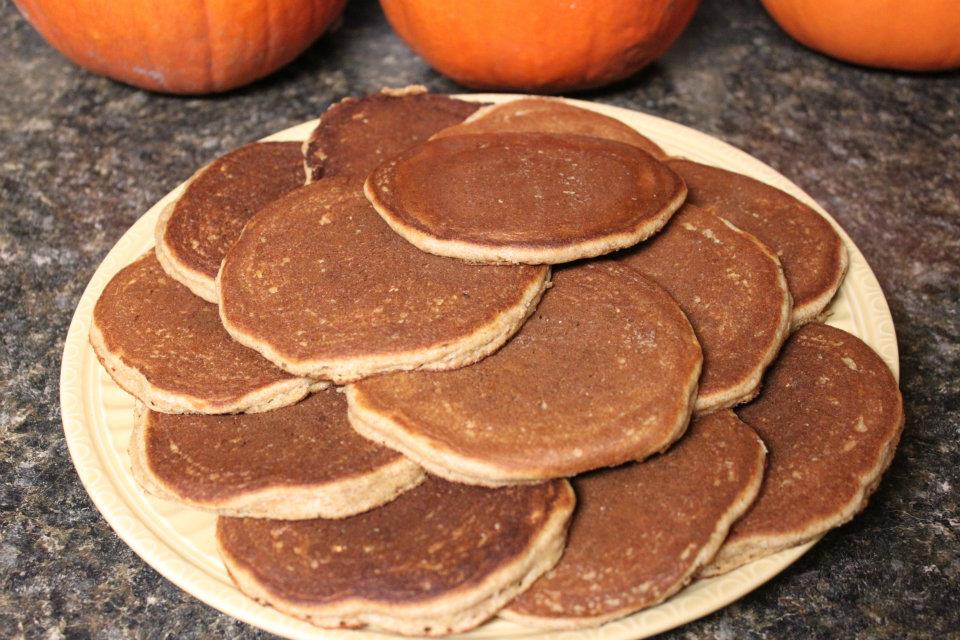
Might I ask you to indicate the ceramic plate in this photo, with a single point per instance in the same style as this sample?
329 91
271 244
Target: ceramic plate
179 542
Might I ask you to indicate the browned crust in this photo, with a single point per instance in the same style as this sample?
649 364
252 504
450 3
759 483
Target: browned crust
390 427
282 392
711 396
450 353
750 197
285 500
328 132
130 379
490 119
199 283
743 548
815 309
541 251
179 265
748 387
738 506
459 610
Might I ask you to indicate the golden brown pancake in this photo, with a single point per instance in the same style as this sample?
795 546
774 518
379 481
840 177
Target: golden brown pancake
604 372
831 415
547 115
812 254
534 198
321 286
641 531
302 461
439 559
195 231
166 347
357 134
733 291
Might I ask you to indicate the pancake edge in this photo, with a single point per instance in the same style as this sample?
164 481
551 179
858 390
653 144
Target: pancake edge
488 108
331 500
364 428
441 460
816 308
266 398
453 354
199 283
393 92
459 610
748 386
747 549
308 170
740 505
527 252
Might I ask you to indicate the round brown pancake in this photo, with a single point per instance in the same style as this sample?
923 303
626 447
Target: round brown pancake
548 115
302 461
534 198
831 415
641 531
604 372
357 134
439 559
166 347
195 231
321 286
733 291
812 254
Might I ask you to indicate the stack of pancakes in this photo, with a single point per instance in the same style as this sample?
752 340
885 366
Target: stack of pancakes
484 362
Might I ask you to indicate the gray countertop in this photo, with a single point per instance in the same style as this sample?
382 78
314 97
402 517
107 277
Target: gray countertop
82 157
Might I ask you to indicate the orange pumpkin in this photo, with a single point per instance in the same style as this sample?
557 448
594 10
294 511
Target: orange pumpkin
915 35
181 46
539 45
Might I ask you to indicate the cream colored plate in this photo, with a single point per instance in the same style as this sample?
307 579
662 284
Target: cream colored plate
179 542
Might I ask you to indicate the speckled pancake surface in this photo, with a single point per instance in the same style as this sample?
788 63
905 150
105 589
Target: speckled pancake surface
166 347
548 115
195 231
301 461
357 134
812 254
605 371
641 531
831 416
439 559
535 198
733 291
320 285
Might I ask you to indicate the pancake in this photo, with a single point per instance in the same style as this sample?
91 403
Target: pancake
604 372
357 134
641 531
302 461
733 291
812 254
533 198
166 347
195 231
831 415
547 115
321 286
439 559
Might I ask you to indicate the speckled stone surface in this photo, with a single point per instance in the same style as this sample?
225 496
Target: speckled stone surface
82 157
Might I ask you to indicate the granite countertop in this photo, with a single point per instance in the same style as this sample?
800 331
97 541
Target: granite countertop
82 157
